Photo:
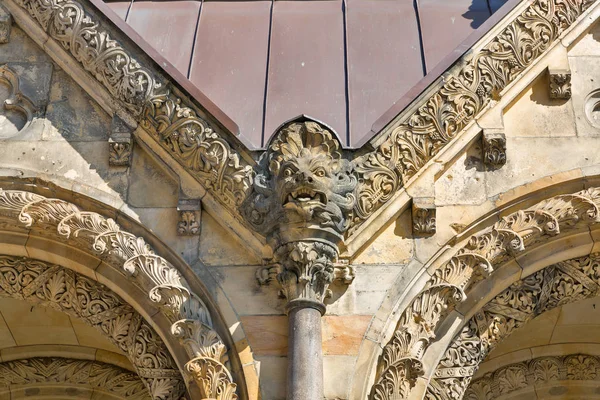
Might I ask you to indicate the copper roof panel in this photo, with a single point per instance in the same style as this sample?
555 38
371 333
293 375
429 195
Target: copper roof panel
169 27
306 65
384 59
120 8
230 61
445 24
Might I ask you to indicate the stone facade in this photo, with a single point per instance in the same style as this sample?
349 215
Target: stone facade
164 258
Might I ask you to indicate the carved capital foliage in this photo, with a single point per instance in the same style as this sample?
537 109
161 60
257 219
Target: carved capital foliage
307 271
49 371
90 231
471 263
423 217
542 370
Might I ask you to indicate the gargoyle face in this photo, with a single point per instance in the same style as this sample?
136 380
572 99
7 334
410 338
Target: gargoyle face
305 181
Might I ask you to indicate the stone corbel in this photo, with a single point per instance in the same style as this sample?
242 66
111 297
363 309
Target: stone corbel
120 143
559 81
493 141
190 217
5 25
423 216
559 76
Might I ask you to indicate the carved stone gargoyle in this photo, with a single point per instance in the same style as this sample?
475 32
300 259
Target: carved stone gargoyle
302 196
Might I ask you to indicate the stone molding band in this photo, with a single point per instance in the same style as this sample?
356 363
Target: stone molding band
94 375
538 371
410 142
191 323
401 362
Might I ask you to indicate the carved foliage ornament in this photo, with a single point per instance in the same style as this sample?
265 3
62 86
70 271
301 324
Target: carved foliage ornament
66 291
471 263
191 321
411 143
95 375
556 285
538 371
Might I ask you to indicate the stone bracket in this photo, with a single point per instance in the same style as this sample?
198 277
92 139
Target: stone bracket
190 217
5 25
120 143
559 82
494 147
423 216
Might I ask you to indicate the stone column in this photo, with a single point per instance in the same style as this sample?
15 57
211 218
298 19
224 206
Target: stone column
307 271
305 357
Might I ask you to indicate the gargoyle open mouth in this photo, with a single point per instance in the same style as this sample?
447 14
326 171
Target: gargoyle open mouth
305 195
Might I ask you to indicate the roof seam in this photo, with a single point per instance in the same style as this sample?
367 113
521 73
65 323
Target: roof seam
346 71
420 34
189 70
268 63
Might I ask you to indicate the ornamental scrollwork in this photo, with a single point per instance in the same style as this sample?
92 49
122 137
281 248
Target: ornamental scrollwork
69 292
95 375
559 284
472 262
164 284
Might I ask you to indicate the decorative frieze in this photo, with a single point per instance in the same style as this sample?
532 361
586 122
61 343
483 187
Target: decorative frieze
471 263
560 84
423 216
538 371
5 25
494 147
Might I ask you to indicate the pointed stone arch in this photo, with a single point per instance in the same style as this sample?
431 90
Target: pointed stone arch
57 231
458 282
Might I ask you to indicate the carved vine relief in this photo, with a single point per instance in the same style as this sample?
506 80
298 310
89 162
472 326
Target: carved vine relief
204 151
191 323
400 364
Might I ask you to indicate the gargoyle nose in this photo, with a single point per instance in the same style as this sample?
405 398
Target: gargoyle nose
306 177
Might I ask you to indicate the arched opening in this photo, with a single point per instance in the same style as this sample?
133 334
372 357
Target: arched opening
170 315
467 276
64 290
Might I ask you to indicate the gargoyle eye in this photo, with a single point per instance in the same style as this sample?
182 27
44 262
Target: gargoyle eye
320 172
287 172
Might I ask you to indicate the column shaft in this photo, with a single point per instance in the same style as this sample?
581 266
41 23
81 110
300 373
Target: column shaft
305 356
